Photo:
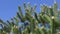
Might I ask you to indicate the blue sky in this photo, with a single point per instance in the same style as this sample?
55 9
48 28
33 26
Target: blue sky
8 8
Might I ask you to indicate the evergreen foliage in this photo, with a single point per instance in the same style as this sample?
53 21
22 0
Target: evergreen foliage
49 15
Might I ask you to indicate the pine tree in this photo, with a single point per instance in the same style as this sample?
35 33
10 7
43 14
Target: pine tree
49 15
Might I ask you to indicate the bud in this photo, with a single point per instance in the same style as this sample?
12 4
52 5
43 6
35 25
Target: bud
55 1
52 17
58 32
49 6
7 33
30 32
15 26
3 31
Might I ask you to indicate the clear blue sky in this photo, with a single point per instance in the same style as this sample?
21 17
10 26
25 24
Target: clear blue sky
8 8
